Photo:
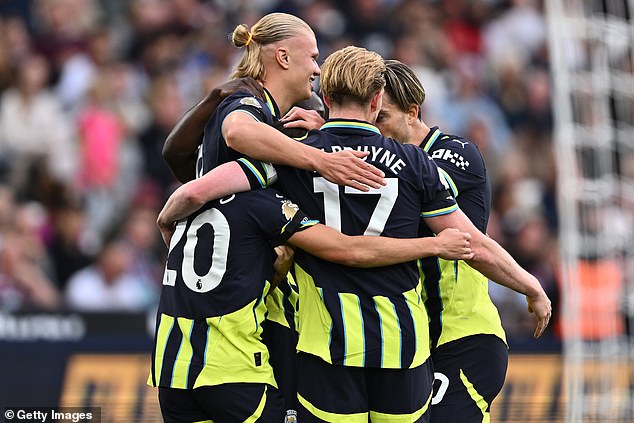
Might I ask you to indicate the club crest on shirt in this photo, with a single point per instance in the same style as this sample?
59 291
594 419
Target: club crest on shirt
289 209
250 101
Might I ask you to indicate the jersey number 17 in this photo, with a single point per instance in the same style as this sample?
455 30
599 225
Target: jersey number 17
332 203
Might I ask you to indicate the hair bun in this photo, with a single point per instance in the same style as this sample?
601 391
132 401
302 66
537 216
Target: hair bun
241 36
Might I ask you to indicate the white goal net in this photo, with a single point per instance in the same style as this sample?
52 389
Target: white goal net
591 45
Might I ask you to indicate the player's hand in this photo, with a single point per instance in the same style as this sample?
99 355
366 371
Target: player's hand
347 167
454 245
302 119
541 307
282 263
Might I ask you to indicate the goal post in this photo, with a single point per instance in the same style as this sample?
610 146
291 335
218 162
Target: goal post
591 45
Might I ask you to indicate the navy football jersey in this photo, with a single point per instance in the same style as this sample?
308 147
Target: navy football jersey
214 150
365 317
456 295
212 301
462 165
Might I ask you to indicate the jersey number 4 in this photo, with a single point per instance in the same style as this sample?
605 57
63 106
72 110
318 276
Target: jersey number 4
218 255
332 203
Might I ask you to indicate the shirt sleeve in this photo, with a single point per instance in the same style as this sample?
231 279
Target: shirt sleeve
437 199
280 218
260 174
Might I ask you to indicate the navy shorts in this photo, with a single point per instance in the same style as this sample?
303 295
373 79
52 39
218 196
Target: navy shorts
332 393
226 403
468 375
282 343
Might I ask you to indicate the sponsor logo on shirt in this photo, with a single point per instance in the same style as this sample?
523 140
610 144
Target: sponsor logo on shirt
451 157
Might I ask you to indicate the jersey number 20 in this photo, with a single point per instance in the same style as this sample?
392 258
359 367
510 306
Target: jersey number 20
222 234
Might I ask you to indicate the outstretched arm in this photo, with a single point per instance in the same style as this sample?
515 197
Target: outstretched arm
496 263
374 251
262 142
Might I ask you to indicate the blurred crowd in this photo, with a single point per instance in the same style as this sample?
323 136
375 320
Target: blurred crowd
89 89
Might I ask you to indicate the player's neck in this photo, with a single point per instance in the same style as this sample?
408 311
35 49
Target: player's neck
419 132
278 91
352 111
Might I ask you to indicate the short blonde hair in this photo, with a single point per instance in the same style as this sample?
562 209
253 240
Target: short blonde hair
352 74
269 29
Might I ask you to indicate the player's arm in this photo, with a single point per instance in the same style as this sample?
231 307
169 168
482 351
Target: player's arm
260 141
180 148
496 263
373 251
223 180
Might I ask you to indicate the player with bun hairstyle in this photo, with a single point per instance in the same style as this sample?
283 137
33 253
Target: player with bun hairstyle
277 68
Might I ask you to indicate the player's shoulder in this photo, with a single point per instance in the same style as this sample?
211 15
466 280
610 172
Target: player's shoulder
257 198
259 202
242 100
317 138
408 161
456 150
394 144
272 203
456 143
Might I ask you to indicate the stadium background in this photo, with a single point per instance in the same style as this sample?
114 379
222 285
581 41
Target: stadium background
90 88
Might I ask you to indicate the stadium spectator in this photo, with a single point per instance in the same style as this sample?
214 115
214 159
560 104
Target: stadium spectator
72 244
469 101
23 283
110 164
166 105
16 44
141 235
108 285
78 73
35 135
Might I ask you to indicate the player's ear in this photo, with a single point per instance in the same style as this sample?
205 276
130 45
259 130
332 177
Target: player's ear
377 101
282 58
326 101
412 113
